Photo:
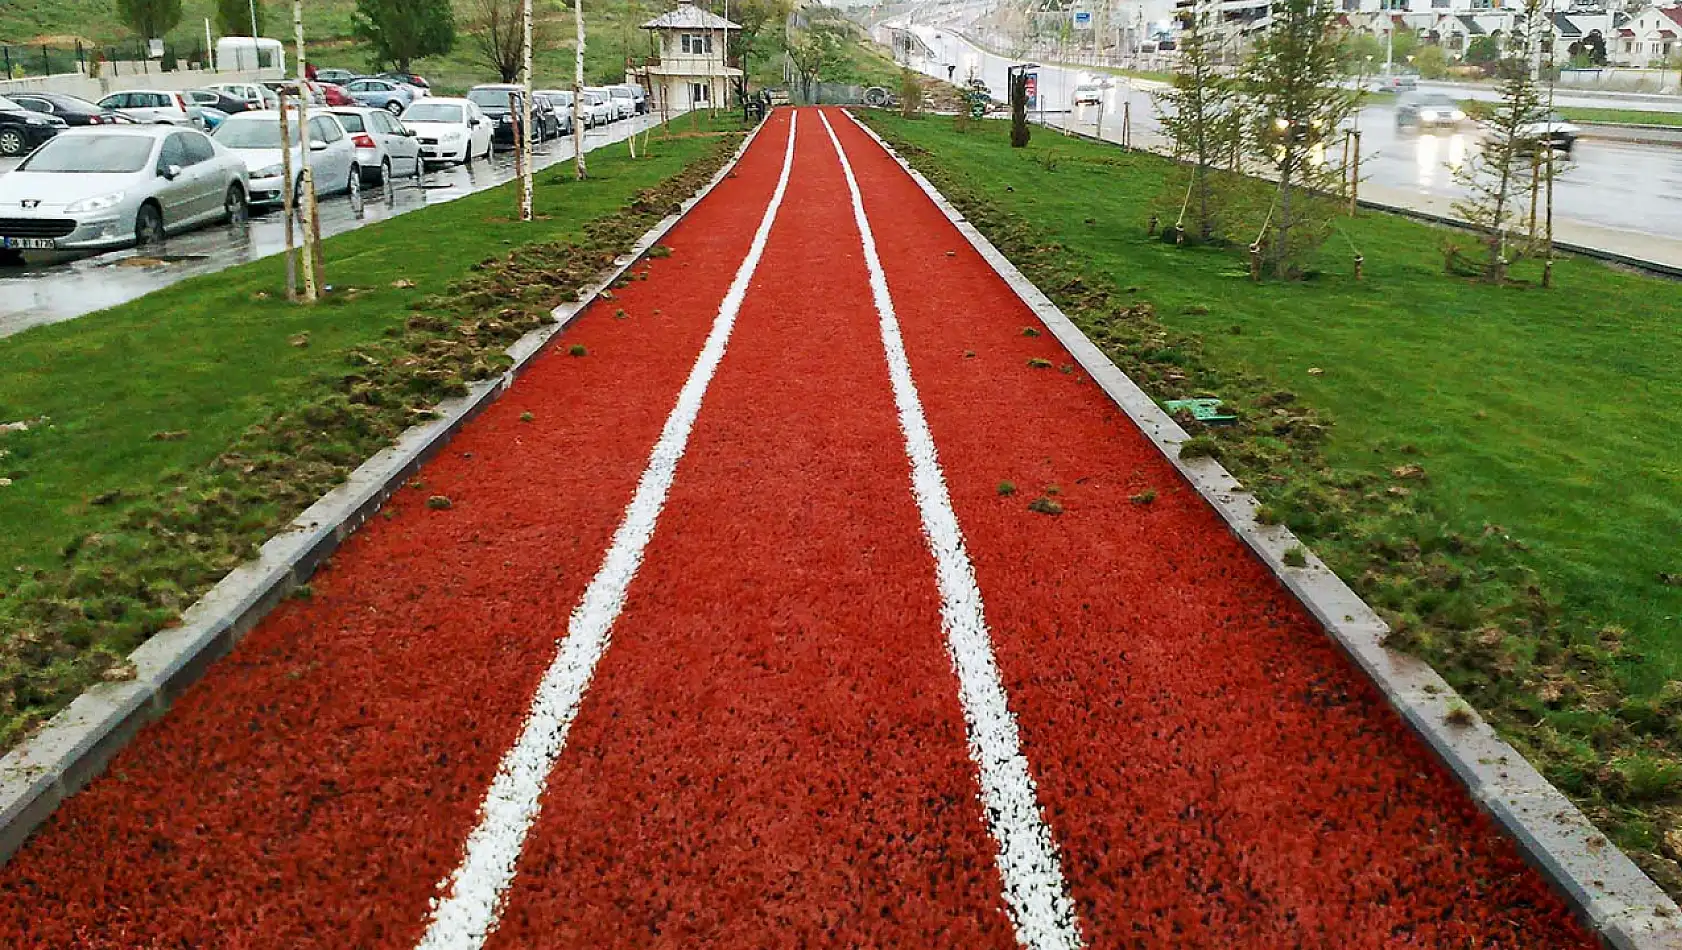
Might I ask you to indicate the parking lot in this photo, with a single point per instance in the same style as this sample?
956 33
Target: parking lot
52 289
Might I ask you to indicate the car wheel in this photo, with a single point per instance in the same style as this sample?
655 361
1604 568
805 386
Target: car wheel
394 107
467 154
385 175
11 142
235 206
11 257
149 226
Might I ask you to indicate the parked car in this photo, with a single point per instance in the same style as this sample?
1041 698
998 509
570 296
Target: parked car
255 138
493 100
151 105
385 150
217 99
254 95
640 95
562 101
335 95
450 130
76 112
318 99
109 186
337 77
1554 133
22 131
622 108
387 94
418 83
1428 110
624 100
598 108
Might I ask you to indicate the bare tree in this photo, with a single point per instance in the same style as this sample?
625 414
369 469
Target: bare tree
498 35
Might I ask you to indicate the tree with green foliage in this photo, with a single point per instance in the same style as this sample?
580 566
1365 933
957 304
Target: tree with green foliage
1291 81
1483 51
1019 108
1504 168
816 54
1431 61
753 16
402 31
1199 114
150 19
233 17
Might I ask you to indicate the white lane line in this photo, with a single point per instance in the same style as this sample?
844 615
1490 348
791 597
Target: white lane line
469 912
1034 888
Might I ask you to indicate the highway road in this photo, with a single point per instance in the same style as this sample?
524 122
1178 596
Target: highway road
53 290
1628 187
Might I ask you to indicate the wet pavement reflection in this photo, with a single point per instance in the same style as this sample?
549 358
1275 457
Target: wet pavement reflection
49 290
1627 186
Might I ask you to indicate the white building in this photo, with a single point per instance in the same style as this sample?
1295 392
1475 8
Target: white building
693 71
1650 38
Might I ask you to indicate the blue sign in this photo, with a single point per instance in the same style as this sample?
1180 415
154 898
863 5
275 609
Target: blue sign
1083 19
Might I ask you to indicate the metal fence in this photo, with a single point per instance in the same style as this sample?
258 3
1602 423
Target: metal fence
124 59
826 94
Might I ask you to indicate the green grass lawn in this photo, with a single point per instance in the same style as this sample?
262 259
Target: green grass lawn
1622 116
1535 553
170 434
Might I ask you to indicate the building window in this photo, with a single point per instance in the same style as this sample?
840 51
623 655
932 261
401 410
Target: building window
697 44
698 93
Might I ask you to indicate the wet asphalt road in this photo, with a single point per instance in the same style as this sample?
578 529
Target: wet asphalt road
1630 187
51 290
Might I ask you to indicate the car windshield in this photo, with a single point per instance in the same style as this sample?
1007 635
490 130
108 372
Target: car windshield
432 112
351 121
1439 102
561 98
91 154
254 133
9 106
491 100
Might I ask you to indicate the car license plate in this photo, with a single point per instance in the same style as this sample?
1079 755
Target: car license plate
27 244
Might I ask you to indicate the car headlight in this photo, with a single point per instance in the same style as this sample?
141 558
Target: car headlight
269 171
36 120
100 203
1428 115
1457 115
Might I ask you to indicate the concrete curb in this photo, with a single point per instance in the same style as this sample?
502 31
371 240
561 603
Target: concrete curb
76 745
1628 910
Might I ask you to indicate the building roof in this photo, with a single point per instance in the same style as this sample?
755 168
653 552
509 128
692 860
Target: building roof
1472 27
1675 14
688 16
1564 25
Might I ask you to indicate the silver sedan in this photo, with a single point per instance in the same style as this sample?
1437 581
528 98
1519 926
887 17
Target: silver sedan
111 186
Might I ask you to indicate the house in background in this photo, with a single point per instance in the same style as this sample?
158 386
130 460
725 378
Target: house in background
692 71
1651 38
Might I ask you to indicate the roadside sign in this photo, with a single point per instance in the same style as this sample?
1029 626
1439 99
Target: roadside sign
1033 90
155 49
1083 19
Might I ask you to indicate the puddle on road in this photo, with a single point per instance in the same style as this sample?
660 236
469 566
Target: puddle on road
163 260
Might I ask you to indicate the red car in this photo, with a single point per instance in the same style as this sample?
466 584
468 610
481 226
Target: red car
336 95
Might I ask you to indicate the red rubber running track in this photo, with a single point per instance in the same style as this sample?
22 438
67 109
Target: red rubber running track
818 682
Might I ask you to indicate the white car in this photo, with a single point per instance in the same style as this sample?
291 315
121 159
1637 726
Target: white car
450 130
384 148
616 108
150 105
255 138
1555 133
1089 94
598 108
113 185
254 95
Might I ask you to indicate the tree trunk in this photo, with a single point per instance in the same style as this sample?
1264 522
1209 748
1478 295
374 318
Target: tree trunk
1019 110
